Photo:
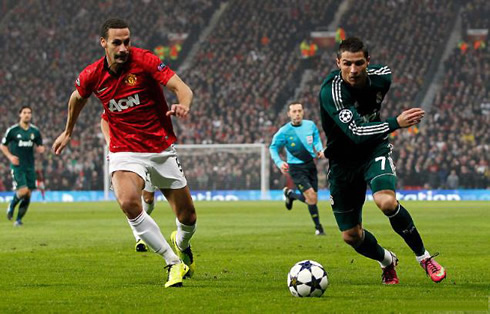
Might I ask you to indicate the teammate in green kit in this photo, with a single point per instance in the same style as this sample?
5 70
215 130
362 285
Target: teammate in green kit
18 146
360 155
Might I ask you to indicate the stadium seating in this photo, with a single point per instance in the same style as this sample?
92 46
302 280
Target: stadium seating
44 47
242 76
421 153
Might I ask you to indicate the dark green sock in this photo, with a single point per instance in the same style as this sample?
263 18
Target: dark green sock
314 214
402 223
24 204
297 196
14 202
370 247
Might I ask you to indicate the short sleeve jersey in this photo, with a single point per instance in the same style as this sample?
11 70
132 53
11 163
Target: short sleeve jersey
21 144
134 104
301 143
350 116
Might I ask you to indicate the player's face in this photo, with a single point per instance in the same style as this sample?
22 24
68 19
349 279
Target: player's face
25 115
353 66
117 45
296 113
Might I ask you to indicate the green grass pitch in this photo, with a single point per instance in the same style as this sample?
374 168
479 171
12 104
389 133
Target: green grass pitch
79 257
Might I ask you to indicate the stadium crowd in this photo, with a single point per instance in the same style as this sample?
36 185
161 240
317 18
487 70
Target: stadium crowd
451 149
45 44
242 77
245 68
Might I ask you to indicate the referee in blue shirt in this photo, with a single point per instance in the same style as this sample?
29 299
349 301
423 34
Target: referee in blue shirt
302 142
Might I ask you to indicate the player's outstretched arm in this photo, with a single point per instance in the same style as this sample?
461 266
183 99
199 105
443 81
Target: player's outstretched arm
410 117
75 105
184 96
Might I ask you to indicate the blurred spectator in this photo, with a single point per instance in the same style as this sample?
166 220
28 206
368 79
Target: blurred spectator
452 182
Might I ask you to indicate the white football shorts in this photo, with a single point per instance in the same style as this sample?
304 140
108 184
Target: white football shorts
158 170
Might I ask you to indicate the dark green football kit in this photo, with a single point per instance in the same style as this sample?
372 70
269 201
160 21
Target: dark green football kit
358 149
20 143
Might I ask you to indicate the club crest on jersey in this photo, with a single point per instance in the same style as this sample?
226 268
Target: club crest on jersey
345 115
161 67
32 136
130 79
78 81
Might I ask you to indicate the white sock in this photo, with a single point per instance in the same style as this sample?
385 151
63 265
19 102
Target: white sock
135 233
422 257
147 229
184 234
388 259
147 207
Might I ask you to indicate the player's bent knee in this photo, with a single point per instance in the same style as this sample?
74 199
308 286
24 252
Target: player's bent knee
311 200
386 201
387 205
148 197
148 200
187 215
131 207
311 197
23 192
353 237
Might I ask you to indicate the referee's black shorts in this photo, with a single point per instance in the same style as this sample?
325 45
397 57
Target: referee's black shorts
304 176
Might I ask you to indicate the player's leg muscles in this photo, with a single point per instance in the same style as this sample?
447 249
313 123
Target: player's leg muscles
181 202
312 199
382 178
400 220
127 187
18 197
148 197
364 243
23 205
148 201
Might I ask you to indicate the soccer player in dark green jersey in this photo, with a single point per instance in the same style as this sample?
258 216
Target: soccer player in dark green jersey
360 155
18 146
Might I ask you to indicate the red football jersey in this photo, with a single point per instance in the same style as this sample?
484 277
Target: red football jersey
134 104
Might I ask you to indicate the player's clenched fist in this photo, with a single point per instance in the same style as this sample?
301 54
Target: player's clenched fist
178 110
410 117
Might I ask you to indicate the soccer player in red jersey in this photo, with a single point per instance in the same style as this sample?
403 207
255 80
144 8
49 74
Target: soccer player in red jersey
127 80
148 197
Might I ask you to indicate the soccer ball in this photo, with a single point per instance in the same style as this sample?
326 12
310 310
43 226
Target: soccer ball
307 279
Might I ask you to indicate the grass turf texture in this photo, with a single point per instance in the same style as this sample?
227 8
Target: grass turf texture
79 257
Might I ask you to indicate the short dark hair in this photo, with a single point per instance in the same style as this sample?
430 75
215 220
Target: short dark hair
25 107
112 23
352 44
295 103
